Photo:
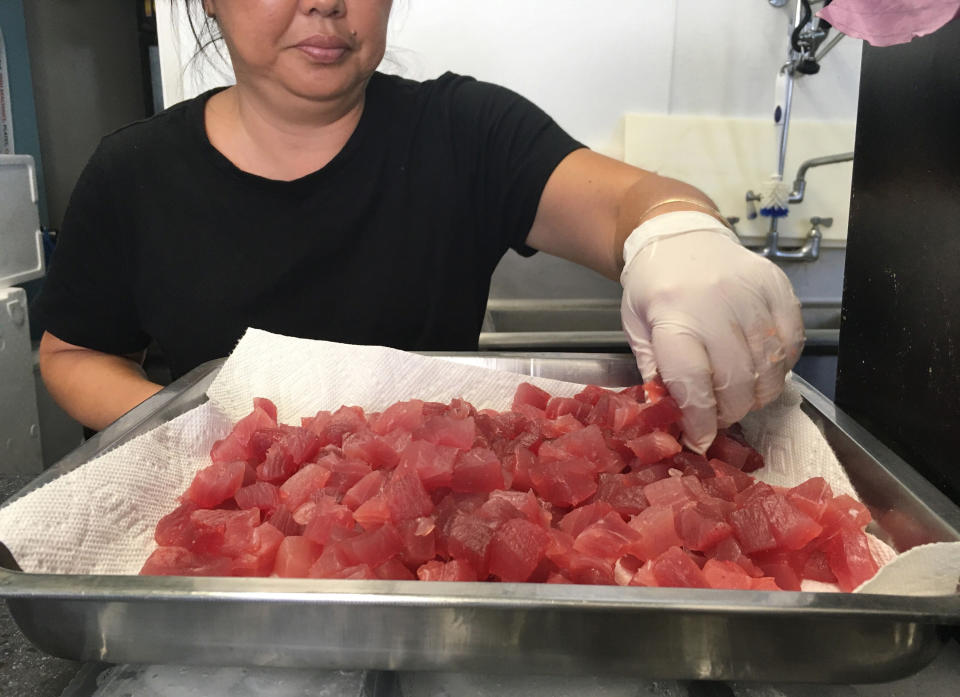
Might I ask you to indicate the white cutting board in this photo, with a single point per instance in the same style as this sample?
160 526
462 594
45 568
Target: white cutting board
726 156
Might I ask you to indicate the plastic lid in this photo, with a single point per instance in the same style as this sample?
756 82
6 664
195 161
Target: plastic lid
21 242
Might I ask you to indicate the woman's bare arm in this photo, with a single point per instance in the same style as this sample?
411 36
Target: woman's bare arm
95 388
591 203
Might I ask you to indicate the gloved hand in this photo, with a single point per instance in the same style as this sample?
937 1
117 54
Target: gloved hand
718 323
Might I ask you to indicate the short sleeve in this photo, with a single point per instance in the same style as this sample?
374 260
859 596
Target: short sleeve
517 147
87 298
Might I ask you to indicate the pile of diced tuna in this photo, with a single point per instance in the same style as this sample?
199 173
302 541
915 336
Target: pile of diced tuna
590 489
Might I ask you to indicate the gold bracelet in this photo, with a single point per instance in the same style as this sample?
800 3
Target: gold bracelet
717 214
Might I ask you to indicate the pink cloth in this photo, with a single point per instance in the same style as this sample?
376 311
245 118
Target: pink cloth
889 22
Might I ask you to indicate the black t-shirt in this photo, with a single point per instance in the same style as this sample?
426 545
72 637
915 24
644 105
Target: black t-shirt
392 243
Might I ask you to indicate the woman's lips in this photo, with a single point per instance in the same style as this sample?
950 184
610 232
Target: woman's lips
324 48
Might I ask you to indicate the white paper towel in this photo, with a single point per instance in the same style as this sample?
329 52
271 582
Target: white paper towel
100 518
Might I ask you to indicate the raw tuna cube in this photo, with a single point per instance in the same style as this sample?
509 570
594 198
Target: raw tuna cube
261 556
563 406
724 488
477 471
405 496
177 561
370 448
175 528
781 567
765 583
333 427
560 426
722 469
530 394
844 511
297 490
402 415
564 482
277 465
343 474
653 447
329 522
817 567
331 561
591 394
656 532
622 491
360 572
751 528
453 570
516 549
372 513
651 473
394 570
467 539
700 529
754 492
373 547
658 415
608 538
811 496
419 537
791 528
447 430
674 568
295 556
587 443
525 502
260 495
215 484
849 557
729 550
432 463
742 457
364 490
282 520
693 464
236 445
726 574
582 517
519 464
672 491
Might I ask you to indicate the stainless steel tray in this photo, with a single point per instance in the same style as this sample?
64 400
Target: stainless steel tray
518 628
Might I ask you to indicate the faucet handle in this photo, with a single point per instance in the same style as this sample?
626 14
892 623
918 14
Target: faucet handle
750 198
817 221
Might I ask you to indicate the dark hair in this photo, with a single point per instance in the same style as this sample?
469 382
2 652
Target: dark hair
205 29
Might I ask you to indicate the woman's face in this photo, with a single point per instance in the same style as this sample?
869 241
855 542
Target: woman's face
319 49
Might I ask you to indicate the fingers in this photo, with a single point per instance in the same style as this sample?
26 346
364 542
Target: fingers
685 369
787 317
638 336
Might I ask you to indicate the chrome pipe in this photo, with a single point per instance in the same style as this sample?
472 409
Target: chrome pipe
800 182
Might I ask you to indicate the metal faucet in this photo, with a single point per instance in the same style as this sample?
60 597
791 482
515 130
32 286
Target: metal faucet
800 183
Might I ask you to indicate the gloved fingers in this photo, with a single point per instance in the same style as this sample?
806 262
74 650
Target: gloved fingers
769 360
638 336
734 374
685 369
785 311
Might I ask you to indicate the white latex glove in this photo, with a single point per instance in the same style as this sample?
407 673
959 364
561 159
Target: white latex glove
718 323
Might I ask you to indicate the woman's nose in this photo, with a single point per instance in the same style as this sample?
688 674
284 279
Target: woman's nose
325 8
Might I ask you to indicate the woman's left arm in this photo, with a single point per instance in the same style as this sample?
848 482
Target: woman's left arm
719 324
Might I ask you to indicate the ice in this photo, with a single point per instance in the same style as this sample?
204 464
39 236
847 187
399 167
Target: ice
477 685
195 681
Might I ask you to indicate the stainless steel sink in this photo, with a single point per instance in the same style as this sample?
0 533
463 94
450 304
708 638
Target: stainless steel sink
594 324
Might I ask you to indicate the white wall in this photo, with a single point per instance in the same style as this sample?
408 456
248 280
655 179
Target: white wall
589 63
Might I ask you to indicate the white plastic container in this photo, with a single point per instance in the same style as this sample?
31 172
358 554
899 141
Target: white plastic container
21 259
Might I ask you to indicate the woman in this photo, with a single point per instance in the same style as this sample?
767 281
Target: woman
319 198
